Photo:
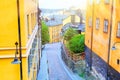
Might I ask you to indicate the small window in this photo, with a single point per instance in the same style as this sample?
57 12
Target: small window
105 25
90 22
118 30
107 1
97 23
97 1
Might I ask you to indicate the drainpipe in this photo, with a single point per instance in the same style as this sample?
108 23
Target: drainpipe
110 36
19 36
92 35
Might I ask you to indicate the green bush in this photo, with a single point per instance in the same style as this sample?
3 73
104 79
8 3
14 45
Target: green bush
69 34
44 33
76 44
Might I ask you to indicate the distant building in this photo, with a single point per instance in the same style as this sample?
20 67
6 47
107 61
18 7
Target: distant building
73 21
30 40
102 34
55 25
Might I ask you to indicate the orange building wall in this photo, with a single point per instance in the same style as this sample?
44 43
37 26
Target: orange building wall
100 42
115 54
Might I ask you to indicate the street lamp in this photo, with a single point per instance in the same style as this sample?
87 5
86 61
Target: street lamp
114 47
19 37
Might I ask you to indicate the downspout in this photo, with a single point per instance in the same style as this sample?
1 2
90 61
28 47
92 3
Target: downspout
110 35
92 34
19 36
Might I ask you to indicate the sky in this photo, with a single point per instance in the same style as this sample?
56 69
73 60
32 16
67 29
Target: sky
58 4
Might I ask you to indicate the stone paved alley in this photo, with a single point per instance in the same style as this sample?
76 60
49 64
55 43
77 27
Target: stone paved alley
52 66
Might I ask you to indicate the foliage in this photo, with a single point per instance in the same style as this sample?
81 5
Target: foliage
45 33
76 44
69 34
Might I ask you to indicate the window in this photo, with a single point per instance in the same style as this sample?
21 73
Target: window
107 1
97 23
90 22
118 30
105 25
98 1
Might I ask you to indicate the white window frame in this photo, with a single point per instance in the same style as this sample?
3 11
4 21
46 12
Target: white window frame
97 23
118 30
105 25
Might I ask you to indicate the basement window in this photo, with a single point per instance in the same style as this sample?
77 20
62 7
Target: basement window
105 26
118 30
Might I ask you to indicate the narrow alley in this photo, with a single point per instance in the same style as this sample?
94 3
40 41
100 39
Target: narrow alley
52 67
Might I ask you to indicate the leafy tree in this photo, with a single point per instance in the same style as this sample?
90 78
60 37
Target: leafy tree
69 34
45 33
76 44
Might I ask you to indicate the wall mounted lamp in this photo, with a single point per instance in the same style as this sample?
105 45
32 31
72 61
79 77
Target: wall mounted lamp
16 61
114 47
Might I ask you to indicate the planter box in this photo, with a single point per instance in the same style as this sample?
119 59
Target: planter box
78 56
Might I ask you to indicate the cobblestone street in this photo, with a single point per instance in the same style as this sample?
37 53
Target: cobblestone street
52 66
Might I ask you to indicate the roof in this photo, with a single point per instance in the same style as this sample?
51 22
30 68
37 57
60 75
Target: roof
56 21
76 27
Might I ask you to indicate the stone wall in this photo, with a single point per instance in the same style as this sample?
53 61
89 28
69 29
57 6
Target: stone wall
100 67
113 74
88 57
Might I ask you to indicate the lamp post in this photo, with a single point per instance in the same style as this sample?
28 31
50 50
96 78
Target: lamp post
19 37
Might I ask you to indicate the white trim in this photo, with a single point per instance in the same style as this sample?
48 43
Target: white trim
29 43
10 56
13 48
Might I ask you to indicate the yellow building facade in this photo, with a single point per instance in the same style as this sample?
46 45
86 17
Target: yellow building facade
102 31
71 18
54 32
30 39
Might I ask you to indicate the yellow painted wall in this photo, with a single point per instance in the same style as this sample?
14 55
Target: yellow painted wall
77 19
68 20
12 71
115 54
54 32
101 38
9 35
100 42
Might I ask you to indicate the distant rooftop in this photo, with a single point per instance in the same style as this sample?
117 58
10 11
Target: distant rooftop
55 20
76 27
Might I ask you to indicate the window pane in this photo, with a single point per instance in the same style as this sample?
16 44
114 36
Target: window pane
105 25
